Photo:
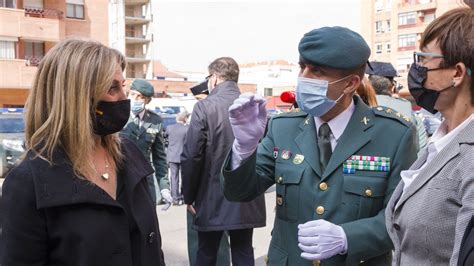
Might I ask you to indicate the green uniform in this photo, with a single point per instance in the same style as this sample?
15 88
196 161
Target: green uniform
149 139
352 192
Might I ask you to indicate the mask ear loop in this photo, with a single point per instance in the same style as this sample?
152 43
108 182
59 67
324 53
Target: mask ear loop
469 72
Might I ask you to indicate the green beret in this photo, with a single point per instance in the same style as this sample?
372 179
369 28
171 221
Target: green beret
144 87
335 47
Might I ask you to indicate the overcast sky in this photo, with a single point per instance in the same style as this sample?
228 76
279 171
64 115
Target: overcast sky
190 34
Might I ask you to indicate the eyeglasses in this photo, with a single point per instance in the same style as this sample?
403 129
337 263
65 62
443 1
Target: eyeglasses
208 77
421 58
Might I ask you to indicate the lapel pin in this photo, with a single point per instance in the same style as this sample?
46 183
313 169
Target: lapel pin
275 152
365 120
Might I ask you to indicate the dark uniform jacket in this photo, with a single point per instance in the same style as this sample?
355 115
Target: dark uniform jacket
149 139
54 218
208 140
176 136
355 200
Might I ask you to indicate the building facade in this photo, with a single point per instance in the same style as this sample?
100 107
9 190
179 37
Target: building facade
131 32
29 28
393 28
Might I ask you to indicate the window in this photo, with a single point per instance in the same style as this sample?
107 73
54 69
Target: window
34 52
388 47
268 92
408 18
7 49
389 26
388 5
407 40
378 27
75 9
378 48
378 6
8 3
429 17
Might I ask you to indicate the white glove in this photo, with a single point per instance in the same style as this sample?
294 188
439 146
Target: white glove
248 118
166 195
320 239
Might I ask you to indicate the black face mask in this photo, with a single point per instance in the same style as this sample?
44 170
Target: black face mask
111 117
424 97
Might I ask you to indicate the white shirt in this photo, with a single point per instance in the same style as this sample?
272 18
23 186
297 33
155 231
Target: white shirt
141 114
337 125
437 143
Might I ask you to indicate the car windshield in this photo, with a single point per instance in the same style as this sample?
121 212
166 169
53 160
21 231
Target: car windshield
12 125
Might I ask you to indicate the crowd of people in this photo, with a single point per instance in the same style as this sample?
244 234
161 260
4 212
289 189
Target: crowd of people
359 179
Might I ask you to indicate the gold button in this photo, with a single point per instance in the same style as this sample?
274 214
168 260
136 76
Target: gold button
323 186
279 180
316 263
368 192
320 210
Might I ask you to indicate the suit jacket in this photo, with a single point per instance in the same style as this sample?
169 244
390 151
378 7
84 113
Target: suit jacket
427 223
176 137
289 157
208 140
149 139
52 217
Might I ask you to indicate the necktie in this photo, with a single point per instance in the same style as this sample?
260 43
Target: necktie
136 121
324 145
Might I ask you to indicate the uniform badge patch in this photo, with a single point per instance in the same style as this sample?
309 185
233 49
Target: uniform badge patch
298 159
366 163
275 152
285 155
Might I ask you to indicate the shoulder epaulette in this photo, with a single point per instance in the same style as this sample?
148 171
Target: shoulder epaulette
292 113
390 113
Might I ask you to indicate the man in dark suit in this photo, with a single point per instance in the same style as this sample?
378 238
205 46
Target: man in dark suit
176 137
208 139
145 129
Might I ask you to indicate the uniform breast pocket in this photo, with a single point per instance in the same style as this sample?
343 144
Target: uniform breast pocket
288 177
364 194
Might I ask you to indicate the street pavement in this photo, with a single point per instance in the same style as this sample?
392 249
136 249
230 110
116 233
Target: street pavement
173 233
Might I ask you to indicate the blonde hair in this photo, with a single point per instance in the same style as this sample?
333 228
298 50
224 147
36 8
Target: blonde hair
367 92
70 79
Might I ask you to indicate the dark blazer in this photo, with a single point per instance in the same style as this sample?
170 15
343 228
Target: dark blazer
54 218
466 253
208 140
149 139
176 137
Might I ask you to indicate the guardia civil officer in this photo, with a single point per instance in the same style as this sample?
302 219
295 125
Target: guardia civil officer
145 129
335 162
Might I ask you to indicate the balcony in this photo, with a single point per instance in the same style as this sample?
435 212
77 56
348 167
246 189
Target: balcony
131 59
136 2
136 20
32 24
415 5
136 40
15 74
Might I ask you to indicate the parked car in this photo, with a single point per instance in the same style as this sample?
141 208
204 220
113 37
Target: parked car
12 139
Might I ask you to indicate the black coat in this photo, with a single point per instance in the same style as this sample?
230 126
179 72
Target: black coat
208 141
466 252
54 218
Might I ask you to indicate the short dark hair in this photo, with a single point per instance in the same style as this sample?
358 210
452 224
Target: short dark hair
225 68
382 85
454 33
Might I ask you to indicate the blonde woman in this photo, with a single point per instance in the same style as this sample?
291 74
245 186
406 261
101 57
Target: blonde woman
73 200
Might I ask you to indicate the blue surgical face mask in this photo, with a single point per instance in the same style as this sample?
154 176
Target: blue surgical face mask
137 106
311 96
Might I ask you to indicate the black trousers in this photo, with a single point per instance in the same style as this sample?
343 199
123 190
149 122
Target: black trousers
240 247
174 177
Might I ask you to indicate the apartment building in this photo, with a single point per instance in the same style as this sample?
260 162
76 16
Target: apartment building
29 28
393 28
131 32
